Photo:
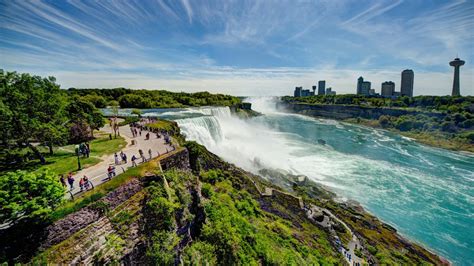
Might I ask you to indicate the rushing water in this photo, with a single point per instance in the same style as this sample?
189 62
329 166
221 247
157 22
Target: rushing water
426 193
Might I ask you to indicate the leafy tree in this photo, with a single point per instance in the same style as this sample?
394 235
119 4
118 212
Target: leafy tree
81 111
26 195
32 110
137 112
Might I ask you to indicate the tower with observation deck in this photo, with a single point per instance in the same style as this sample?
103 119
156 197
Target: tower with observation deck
456 63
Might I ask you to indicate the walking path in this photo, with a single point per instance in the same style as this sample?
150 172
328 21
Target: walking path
97 174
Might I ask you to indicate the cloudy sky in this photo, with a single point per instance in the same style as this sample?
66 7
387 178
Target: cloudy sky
258 47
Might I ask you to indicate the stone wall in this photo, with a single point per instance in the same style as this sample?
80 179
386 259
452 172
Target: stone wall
72 223
177 159
349 111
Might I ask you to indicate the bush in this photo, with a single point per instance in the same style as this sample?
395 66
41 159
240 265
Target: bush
25 195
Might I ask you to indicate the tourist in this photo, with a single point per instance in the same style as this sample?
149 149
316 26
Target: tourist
147 136
124 158
81 183
140 132
88 147
157 135
141 155
116 159
149 153
133 161
86 182
111 171
70 180
63 182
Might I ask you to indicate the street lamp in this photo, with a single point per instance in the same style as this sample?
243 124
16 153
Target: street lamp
78 158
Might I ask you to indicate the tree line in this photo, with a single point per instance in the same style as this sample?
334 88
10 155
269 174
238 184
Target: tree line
35 112
127 98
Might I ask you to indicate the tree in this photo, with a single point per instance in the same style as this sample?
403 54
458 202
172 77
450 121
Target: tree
137 112
81 111
32 110
28 195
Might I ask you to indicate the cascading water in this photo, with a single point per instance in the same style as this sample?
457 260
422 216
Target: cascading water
424 192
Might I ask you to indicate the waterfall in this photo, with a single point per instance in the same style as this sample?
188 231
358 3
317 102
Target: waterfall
204 129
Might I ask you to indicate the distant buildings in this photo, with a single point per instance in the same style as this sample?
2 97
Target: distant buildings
363 87
456 63
388 89
329 91
321 87
406 86
299 92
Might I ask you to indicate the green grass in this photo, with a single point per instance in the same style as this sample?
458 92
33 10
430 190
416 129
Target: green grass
163 125
64 159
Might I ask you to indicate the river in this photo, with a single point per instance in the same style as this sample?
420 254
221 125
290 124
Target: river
424 192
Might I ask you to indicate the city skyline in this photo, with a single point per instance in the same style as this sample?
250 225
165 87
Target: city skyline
240 48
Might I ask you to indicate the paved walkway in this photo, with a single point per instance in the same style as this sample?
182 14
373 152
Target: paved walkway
97 174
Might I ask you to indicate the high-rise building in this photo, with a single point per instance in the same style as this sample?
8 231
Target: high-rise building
406 86
388 89
363 87
298 91
456 63
321 87
314 90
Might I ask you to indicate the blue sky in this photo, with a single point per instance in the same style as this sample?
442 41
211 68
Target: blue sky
260 47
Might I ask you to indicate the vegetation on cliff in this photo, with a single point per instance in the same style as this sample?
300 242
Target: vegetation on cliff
452 128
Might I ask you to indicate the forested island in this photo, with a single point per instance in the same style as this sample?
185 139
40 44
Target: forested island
127 98
442 121
184 205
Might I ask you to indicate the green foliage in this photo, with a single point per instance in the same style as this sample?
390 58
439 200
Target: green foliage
137 112
157 98
31 109
35 109
162 248
200 253
212 176
25 195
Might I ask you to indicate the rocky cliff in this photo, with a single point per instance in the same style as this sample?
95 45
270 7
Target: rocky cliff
349 111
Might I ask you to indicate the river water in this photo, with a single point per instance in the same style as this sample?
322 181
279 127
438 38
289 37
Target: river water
424 192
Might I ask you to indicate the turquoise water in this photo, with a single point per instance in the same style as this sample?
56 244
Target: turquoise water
424 192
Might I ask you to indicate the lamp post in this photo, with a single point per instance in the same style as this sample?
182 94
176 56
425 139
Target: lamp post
78 158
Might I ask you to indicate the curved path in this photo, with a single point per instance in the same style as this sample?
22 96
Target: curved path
97 174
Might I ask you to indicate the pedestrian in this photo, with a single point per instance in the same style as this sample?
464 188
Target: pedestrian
88 149
147 136
142 155
70 180
140 132
149 153
86 182
110 171
133 161
116 159
124 158
81 183
63 182
157 135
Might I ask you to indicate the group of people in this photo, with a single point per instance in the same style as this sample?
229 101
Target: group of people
83 149
83 182
121 158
